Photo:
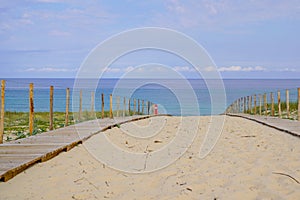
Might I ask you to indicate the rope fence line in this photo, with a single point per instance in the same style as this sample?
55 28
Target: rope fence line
269 104
86 105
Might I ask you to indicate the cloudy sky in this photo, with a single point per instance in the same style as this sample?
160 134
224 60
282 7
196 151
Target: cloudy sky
246 39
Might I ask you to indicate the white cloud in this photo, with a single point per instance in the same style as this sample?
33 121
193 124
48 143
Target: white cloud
241 69
184 69
210 69
128 69
49 69
288 70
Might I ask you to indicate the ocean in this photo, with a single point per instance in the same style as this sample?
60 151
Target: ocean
172 96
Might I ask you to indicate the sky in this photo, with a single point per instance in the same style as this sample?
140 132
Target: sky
245 39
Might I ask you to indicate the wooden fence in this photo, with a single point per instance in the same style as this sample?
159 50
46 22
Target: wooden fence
266 104
127 107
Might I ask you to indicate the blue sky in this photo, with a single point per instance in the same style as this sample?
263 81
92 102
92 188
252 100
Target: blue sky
246 39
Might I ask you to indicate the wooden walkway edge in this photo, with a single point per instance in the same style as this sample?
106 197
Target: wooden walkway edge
289 126
18 155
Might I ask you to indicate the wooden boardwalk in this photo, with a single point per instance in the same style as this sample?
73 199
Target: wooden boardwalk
289 126
18 155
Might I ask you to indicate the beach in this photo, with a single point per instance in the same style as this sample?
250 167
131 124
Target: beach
249 161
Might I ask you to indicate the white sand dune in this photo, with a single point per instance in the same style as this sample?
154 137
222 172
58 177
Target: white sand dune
249 161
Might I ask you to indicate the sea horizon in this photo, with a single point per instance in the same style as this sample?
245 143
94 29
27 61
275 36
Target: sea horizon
17 93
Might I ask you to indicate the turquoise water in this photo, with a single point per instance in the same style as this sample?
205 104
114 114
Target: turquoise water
17 94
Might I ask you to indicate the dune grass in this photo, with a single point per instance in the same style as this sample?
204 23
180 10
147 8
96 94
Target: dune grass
16 124
293 110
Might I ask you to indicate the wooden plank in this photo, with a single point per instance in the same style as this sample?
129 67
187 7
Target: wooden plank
16 170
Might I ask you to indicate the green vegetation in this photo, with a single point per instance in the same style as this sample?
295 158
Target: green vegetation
16 124
293 110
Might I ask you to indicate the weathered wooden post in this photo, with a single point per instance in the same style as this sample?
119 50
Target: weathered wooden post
298 104
250 104
138 106
51 109
244 105
67 106
287 98
148 109
254 104
80 106
279 103
2 110
102 106
143 106
272 105
110 106
260 103
265 104
31 109
129 107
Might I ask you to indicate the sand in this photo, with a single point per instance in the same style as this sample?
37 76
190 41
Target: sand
249 161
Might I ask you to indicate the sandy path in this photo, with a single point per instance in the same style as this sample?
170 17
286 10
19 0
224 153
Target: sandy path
243 165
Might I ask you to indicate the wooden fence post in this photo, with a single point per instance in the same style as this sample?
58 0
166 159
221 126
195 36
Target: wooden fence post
298 104
138 106
67 106
92 102
110 106
272 105
142 106
80 106
265 104
148 109
51 109
287 98
2 110
31 109
245 105
279 104
129 107
241 104
260 103
250 104
102 106
134 106
254 104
